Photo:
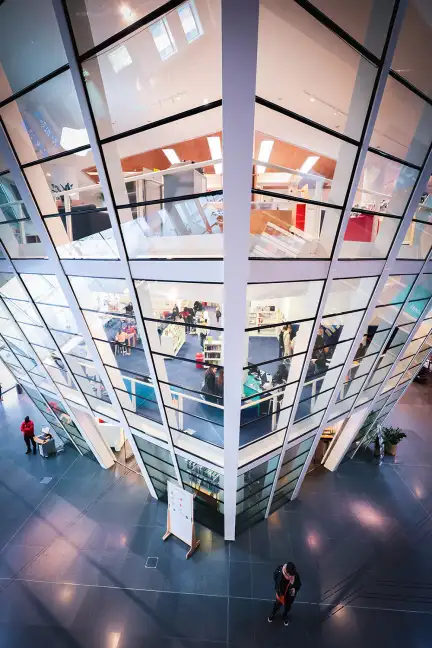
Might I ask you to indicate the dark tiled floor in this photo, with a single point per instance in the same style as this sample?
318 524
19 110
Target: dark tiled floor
73 555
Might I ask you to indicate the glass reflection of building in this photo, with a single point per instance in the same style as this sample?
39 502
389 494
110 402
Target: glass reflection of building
210 289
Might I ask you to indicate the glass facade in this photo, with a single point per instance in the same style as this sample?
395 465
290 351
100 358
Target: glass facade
196 291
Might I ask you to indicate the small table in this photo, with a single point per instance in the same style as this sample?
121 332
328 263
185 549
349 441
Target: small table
46 446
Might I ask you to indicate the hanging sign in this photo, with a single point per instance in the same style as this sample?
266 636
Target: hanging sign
180 520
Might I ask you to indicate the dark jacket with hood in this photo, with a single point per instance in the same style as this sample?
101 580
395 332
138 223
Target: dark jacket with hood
282 586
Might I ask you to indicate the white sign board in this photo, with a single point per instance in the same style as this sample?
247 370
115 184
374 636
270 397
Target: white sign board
180 520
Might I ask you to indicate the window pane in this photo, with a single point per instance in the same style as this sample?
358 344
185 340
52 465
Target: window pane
424 210
284 31
396 289
417 243
173 301
44 289
385 185
414 47
404 113
349 294
21 240
302 161
281 373
368 236
36 134
151 60
12 206
272 303
423 289
27 59
288 229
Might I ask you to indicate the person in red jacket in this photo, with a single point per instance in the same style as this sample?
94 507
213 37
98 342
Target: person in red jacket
27 428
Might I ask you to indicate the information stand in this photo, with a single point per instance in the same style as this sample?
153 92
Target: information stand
180 521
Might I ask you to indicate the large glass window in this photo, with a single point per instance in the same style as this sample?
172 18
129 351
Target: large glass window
405 113
385 185
349 294
168 188
396 289
368 236
287 228
286 32
301 161
163 69
30 44
414 47
69 195
418 241
207 486
36 121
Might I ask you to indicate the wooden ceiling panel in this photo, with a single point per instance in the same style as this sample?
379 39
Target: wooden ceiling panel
283 154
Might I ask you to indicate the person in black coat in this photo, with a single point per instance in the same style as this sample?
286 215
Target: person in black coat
287 584
209 386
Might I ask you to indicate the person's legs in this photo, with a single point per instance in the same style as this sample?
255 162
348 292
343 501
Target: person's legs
287 607
34 444
276 606
27 442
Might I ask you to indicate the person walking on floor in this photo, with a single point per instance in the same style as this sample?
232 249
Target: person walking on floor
27 428
203 334
1 395
287 584
218 315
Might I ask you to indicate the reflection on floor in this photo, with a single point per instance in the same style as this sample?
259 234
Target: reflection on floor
73 555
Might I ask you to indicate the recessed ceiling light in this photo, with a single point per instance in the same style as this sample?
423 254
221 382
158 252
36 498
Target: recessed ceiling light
171 155
309 163
264 154
312 99
49 174
205 102
215 152
127 13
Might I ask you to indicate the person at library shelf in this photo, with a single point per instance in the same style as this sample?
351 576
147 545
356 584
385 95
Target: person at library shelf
197 306
219 386
175 311
27 428
188 318
209 385
288 340
218 315
203 334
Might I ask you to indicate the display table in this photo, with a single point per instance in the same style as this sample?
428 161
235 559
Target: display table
46 446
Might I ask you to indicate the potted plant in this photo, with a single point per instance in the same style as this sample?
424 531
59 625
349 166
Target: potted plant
392 436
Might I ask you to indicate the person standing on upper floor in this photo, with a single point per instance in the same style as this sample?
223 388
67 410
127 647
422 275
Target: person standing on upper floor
288 341
218 314
209 385
27 428
219 385
203 334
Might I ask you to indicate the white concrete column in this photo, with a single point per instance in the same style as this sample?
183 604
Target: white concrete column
239 54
